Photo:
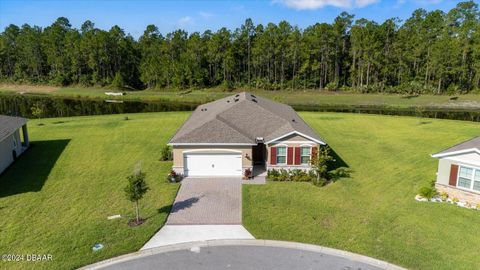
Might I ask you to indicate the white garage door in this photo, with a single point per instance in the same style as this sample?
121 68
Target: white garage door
201 164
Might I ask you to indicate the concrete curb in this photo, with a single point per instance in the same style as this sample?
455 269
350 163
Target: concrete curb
255 242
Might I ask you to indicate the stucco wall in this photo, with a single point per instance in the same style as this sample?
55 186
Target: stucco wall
178 152
6 148
443 171
290 141
443 177
444 165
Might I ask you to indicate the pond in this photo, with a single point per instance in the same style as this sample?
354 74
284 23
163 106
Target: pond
41 106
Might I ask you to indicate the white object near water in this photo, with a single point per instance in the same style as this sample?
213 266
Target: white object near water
113 93
114 217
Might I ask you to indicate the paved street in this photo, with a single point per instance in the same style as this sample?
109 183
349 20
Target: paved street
242 258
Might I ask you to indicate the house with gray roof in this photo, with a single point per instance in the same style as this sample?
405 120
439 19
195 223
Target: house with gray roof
11 143
230 135
459 171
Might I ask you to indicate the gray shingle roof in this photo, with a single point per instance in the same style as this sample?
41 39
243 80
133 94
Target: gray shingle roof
9 125
473 143
240 119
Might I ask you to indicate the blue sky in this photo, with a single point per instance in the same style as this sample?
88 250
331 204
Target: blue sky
134 16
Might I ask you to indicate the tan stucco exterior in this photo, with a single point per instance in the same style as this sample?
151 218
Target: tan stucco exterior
289 141
179 151
471 160
443 172
6 150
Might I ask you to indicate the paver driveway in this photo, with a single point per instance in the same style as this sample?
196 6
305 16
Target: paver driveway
207 201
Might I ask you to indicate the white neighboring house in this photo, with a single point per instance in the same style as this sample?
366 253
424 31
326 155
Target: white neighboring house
459 171
11 143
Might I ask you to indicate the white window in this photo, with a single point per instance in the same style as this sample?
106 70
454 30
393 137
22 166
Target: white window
305 154
469 178
281 155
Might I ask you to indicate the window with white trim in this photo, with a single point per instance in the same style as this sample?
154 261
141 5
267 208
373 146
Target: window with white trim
305 154
469 178
281 155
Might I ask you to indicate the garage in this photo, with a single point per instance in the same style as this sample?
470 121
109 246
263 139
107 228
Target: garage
210 164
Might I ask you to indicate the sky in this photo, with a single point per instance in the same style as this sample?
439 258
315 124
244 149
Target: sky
196 15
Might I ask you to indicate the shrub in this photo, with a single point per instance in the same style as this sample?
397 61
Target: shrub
174 177
247 174
297 175
272 175
428 192
444 196
283 175
166 153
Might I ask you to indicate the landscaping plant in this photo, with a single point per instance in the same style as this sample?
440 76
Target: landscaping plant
135 190
166 154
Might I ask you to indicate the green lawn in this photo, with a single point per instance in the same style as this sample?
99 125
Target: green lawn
298 97
56 198
374 212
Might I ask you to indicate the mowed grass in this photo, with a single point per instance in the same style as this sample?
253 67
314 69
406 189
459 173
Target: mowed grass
374 212
298 97
56 198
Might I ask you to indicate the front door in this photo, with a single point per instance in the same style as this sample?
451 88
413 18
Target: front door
258 153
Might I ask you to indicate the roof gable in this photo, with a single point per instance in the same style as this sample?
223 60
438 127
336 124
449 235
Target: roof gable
472 145
9 125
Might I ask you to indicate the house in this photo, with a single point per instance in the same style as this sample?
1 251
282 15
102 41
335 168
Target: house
11 145
459 171
228 136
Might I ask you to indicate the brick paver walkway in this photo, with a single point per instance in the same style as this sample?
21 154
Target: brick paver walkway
208 201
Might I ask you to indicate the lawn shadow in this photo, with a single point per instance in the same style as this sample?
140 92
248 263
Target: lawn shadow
339 162
31 170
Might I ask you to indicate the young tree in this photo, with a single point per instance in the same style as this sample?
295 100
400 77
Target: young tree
319 162
135 190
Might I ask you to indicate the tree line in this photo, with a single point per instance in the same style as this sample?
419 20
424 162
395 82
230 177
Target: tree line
430 52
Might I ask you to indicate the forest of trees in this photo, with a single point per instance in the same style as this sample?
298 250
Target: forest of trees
430 52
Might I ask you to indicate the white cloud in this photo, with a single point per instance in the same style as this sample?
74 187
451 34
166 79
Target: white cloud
364 3
184 21
316 4
205 15
429 2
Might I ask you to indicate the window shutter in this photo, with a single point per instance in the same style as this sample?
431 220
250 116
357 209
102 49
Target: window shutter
290 155
273 155
314 153
297 156
453 175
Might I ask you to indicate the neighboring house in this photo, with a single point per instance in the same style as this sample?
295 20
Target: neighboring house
228 136
459 171
11 145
